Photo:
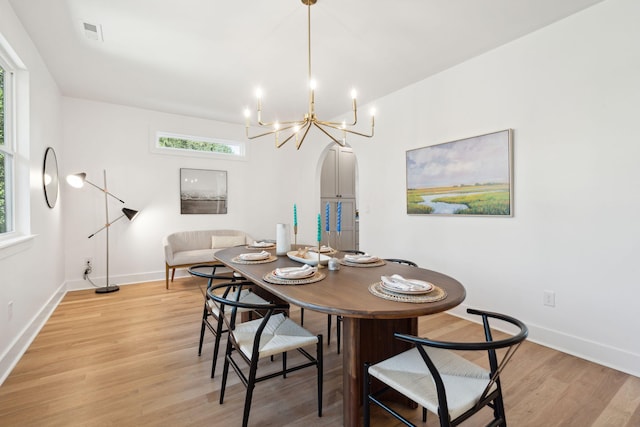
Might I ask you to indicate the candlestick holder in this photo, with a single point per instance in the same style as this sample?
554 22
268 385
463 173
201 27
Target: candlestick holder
295 234
320 266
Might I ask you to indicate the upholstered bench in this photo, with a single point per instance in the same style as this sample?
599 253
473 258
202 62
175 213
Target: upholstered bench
186 248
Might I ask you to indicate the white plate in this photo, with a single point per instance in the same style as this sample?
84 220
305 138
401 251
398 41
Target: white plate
361 259
406 286
300 275
309 258
263 245
254 256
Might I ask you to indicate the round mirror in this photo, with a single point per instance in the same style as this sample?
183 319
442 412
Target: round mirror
50 177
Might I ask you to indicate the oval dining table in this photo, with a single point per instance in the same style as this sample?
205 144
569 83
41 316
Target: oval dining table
369 321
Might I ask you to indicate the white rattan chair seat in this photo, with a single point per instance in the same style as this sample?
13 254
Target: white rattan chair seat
281 334
407 373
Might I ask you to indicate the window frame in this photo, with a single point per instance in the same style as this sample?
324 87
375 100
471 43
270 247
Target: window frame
241 147
8 147
12 242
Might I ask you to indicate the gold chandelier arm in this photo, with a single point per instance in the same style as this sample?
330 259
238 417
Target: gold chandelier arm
259 135
290 123
304 135
355 118
293 133
340 128
353 132
271 132
341 143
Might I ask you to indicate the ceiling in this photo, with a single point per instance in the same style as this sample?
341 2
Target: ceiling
205 58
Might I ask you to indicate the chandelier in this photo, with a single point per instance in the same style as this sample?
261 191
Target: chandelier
285 131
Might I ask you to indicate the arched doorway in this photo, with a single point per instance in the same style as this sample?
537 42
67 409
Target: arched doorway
338 186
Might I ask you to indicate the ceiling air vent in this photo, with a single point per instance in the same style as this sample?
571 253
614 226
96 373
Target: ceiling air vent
92 31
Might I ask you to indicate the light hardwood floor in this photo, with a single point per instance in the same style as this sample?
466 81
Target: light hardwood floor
130 359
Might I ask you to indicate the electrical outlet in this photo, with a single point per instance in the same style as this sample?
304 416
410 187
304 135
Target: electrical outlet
88 267
549 298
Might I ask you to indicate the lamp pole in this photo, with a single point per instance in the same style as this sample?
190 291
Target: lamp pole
77 181
107 287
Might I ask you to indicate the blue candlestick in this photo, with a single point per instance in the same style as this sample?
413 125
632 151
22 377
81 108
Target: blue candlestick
295 215
339 218
326 227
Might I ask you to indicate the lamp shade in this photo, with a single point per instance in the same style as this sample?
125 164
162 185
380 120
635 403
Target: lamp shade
77 180
130 213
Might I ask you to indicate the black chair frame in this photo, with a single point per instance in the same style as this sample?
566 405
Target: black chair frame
492 399
267 310
402 261
217 330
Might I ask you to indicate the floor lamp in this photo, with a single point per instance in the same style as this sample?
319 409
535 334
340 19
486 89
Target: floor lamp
78 180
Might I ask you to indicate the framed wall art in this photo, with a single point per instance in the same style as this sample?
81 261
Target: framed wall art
203 191
471 176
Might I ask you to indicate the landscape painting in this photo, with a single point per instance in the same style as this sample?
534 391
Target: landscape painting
471 176
203 191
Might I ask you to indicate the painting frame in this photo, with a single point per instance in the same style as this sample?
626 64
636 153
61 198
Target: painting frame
465 177
203 191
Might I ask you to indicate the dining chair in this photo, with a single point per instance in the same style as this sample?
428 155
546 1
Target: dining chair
216 326
338 318
402 261
439 379
273 334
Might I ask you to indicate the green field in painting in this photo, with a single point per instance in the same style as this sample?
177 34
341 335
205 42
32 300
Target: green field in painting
490 199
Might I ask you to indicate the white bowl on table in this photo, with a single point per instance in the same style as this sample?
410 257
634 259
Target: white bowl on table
310 258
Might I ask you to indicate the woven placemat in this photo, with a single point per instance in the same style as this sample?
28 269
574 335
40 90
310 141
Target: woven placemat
437 294
271 246
272 278
331 252
238 260
362 264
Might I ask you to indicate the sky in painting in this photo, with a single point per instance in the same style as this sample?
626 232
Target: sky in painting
478 160
202 181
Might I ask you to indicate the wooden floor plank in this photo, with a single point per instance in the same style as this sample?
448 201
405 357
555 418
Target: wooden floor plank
130 358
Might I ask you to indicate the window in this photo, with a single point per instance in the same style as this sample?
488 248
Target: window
6 151
15 220
198 146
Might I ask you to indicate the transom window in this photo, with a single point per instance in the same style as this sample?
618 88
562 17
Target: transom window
198 145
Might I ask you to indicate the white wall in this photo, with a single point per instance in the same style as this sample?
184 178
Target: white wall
570 92
32 273
262 189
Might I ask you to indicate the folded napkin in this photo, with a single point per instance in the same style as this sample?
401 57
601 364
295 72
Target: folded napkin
254 256
361 258
261 244
296 272
399 283
323 248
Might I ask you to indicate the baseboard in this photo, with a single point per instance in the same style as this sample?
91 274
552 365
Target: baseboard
605 355
120 280
20 345
124 279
